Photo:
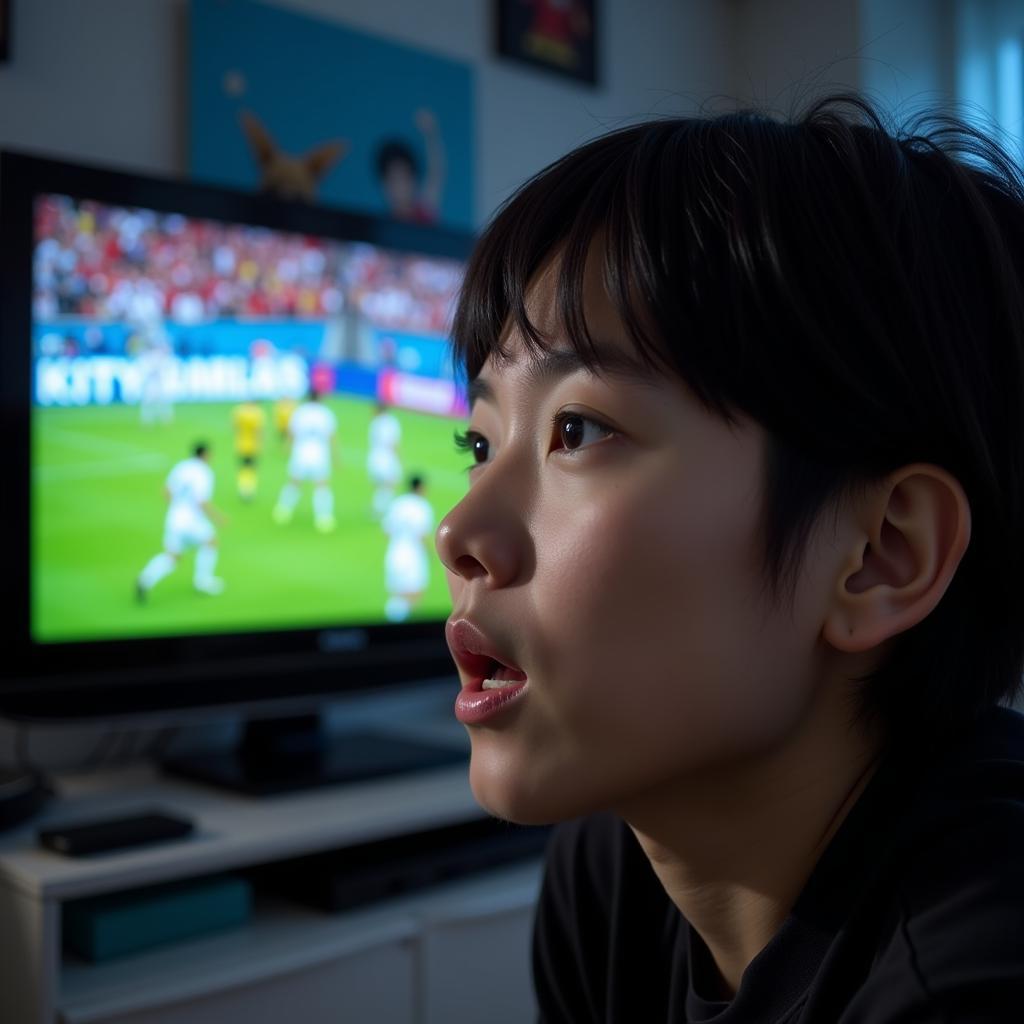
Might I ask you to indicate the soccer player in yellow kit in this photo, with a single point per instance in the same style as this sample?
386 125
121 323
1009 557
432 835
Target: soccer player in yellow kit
249 419
283 409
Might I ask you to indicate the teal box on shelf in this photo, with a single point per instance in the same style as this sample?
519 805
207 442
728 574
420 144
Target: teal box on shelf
103 927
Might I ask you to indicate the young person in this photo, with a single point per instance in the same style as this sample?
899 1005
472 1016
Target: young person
188 523
737 582
383 464
408 522
248 420
312 433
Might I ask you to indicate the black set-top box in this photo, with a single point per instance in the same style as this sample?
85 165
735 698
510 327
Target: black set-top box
380 869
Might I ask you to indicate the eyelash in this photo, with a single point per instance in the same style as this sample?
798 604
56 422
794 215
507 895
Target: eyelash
466 441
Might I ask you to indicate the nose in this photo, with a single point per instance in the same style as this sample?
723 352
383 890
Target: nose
484 537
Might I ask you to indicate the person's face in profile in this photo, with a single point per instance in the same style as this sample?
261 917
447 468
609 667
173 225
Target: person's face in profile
609 547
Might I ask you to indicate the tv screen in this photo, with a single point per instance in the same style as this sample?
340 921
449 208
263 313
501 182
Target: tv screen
233 428
228 427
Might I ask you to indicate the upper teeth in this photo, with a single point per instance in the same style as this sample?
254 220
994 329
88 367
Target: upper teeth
494 684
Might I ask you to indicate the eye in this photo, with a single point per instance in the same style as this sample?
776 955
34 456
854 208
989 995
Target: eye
575 431
475 443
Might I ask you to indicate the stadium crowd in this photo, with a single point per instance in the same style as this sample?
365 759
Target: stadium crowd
114 264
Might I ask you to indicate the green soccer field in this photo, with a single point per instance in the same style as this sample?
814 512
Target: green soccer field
98 515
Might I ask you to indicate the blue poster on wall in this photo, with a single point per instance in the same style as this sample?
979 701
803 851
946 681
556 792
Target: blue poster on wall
312 110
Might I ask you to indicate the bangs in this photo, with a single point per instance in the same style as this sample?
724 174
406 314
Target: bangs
604 192
666 206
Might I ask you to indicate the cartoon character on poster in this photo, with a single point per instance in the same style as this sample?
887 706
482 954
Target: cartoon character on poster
282 174
413 192
311 110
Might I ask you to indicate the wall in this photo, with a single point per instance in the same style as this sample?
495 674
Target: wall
902 53
101 80
788 49
908 51
105 80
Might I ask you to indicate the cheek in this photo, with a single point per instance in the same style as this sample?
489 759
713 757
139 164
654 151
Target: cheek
654 631
635 559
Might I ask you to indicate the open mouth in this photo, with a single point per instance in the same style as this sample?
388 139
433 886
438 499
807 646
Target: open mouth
500 675
478 660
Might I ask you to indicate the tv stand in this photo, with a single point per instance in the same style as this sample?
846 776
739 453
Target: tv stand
456 952
287 756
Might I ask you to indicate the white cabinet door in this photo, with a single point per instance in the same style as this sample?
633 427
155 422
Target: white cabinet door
478 969
371 987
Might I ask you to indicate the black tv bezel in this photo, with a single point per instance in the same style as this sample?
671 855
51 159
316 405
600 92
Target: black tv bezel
93 679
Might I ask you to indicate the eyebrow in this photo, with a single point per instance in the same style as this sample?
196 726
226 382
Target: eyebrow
558 363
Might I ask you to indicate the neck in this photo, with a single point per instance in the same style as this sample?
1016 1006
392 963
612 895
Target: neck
734 848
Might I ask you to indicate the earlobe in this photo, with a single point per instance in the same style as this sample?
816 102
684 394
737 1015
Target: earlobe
912 534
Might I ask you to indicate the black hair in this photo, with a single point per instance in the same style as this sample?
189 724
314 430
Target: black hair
199 449
416 482
854 288
395 151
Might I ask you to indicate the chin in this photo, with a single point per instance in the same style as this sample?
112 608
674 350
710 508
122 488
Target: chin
506 795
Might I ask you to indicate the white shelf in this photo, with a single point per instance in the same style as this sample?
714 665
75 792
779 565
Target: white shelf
282 938
232 831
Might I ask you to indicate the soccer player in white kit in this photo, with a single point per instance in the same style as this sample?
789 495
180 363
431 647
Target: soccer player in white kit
408 522
141 304
311 429
188 524
382 462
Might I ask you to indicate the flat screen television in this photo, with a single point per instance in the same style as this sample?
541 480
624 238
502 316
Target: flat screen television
227 436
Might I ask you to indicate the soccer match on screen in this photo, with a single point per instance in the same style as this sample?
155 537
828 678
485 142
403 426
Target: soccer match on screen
234 428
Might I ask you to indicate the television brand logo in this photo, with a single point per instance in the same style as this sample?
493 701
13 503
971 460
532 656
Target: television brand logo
335 640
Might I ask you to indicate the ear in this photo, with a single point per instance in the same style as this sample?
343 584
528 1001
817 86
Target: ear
910 537
320 160
262 145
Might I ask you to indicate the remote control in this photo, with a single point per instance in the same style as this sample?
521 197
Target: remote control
114 834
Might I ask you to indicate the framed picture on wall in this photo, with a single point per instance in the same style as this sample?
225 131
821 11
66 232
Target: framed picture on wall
556 35
5 28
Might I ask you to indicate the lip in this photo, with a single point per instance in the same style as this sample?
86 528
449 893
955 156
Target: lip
474 707
475 654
